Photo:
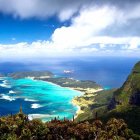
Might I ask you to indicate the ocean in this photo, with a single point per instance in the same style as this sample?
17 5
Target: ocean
45 100
106 71
39 99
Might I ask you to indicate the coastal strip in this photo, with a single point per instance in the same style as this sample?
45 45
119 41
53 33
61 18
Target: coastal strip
80 102
85 87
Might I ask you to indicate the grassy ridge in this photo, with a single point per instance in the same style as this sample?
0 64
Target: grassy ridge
121 103
100 103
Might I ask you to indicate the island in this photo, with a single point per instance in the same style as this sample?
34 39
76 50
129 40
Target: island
88 88
30 74
80 85
123 102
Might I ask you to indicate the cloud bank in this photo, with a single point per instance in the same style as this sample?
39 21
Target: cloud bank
97 28
64 9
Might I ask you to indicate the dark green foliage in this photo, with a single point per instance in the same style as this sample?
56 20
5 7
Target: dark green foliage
130 114
136 69
18 127
103 97
129 93
126 102
68 82
122 103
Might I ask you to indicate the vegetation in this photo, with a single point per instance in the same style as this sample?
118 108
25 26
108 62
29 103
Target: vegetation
130 114
129 93
121 103
99 104
126 100
19 127
36 74
48 76
69 82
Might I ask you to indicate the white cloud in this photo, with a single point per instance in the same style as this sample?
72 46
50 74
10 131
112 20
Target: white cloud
82 37
64 9
86 28
45 49
41 8
66 14
134 43
132 13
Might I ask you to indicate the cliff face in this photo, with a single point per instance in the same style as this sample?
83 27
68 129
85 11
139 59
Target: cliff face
129 93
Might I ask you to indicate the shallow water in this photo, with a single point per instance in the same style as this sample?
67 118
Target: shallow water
45 100
39 99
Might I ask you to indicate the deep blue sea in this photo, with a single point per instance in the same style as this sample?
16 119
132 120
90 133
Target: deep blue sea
44 100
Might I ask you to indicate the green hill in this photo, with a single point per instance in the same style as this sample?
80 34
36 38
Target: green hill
129 93
121 103
125 102
99 104
117 108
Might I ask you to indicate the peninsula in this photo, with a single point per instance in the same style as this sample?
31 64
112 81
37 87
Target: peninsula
88 88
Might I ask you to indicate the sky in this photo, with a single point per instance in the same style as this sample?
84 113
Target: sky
33 29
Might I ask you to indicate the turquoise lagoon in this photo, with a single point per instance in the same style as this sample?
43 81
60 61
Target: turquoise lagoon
39 99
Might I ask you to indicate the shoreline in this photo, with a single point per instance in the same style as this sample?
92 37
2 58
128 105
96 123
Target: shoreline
78 103
79 111
84 92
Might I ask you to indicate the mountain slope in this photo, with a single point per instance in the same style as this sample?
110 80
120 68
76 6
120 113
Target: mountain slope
121 103
129 93
125 102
